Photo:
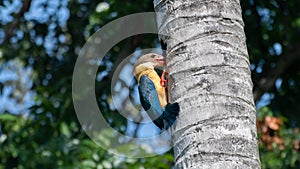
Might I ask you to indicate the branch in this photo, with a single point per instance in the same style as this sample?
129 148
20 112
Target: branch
13 25
266 84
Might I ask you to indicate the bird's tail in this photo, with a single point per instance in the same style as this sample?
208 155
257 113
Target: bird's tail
168 117
170 113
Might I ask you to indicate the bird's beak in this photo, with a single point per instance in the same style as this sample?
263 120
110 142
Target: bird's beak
161 61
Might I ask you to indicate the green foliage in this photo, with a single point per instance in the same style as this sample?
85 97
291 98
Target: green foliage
49 135
272 28
279 147
27 143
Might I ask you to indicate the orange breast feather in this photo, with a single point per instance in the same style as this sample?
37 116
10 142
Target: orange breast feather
156 80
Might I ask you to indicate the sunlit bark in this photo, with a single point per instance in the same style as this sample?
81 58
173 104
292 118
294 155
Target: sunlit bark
208 61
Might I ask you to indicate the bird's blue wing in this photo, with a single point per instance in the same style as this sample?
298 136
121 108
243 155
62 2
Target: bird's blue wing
149 99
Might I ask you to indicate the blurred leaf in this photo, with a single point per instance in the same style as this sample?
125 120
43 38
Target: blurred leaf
8 117
65 130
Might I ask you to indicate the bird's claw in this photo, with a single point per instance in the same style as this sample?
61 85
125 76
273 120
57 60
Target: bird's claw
163 80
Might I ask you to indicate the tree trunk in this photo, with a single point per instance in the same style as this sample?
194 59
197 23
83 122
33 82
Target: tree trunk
208 61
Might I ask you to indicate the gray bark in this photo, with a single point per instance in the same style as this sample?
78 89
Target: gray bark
207 60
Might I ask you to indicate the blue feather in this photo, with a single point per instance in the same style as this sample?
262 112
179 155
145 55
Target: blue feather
162 118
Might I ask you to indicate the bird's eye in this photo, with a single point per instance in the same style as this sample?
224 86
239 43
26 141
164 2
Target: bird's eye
153 56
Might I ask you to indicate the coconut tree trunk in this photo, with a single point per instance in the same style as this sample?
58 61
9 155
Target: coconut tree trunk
207 60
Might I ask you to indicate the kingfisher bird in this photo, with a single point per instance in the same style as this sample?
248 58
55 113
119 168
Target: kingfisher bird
152 90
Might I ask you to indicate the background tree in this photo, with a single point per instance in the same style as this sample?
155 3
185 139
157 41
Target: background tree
271 28
40 41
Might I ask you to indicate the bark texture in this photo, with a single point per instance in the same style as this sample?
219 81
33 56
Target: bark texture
208 61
